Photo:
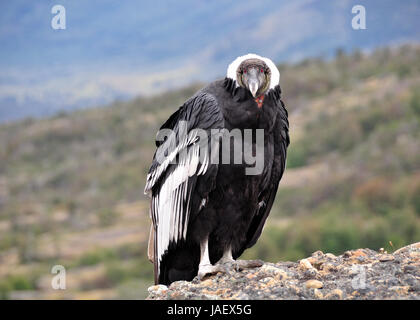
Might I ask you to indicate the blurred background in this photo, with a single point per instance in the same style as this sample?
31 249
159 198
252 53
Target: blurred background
80 107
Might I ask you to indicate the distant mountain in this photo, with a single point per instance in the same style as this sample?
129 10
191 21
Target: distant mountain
116 50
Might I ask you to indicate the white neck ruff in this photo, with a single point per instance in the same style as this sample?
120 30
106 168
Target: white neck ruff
233 67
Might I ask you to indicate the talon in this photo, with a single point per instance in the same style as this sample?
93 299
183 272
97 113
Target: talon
247 264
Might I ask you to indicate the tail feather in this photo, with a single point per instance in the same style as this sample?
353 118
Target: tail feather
180 263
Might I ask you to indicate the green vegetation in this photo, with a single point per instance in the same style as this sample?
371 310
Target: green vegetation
71 186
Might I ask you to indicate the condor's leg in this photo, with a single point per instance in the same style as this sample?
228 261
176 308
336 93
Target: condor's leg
205 267
227 257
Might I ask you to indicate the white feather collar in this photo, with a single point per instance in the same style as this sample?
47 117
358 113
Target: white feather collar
275 73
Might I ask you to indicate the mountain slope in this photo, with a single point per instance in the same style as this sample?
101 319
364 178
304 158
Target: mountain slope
71 186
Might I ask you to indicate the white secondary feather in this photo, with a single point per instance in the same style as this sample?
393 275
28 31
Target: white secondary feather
233 67
153 176
171 203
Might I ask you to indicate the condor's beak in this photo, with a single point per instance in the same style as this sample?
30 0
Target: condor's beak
253 86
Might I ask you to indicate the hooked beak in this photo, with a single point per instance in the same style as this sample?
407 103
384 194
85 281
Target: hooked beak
253 86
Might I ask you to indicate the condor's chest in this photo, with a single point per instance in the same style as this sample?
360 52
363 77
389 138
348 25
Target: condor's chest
246 114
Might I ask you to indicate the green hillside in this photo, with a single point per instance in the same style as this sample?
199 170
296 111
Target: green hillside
71 187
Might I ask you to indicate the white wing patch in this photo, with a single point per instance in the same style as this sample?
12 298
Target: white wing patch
171 205
153 176
275 73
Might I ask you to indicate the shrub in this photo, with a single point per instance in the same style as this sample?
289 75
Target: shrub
96 256
375 194
415 101
296 156
107 217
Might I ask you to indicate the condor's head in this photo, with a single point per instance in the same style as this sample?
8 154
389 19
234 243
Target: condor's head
255 73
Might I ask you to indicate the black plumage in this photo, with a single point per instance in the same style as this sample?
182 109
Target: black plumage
218 201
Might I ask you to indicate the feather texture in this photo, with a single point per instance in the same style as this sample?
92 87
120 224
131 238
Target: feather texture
171 181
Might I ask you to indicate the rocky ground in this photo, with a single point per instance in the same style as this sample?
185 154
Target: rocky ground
356 274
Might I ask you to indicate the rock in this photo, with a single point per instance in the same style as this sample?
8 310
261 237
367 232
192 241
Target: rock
278 273
354 253
408 248
318 294
386 257
316 256
356 274
305 264
401 290
335 294
206 283
318 253
315 284
158 290
328 267
330 256
415 255
251 276
409 268
311 273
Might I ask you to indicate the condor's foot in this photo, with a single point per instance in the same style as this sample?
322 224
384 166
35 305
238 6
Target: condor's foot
238 265
224 266
246 264
209 269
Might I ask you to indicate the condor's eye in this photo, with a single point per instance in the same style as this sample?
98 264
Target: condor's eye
262 70
244 71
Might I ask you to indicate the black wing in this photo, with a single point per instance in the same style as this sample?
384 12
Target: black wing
179 162
268 194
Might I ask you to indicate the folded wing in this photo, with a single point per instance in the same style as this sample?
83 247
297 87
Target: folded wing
180 162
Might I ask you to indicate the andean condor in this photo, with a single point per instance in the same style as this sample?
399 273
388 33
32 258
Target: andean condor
207 210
